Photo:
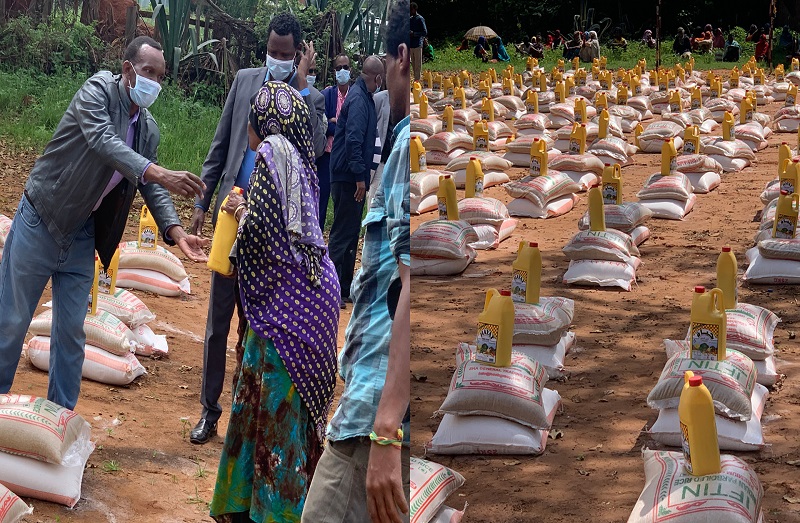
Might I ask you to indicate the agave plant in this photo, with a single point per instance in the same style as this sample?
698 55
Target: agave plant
177 35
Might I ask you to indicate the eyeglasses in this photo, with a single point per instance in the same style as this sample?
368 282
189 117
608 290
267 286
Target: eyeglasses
340 67
312 72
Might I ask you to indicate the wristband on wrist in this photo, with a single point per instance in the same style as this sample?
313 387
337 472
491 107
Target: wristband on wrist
380 440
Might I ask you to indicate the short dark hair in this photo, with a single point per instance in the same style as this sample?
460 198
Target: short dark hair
132 51
414 5
397 30
284 24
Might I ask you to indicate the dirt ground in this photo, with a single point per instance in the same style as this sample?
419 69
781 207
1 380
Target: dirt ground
594 473
162 478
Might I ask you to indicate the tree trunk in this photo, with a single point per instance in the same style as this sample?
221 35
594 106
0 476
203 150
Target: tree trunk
90 12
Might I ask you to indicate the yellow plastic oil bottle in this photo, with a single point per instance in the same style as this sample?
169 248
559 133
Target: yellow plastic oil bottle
569 86
416 90
608 78
480 136
734 81
612 184
423 106
715 87
691 140
529 64
637 131
597 216
596 63
603 62
417 155
627 78
222 243
560 92
619 74
487 110
602 124
698 428
484 76
148 230
446 199
780 73
460 98
663 81
709 326
532 102
580 110
447 119
555 74
581 75
671 80
727 127
785 225
789 179
437 82
427 80
495 329
601 101
784 153
576 63
542 82
669 157
508 86
484 89
623 94
447 87
91 309
518 81
727 272
106 277
466 79
638 86
526 276
538 157
577 139
560 65
795 64
474 186
758 77
595 72
654 77
791 96
493 75
746 110
675 102
697 98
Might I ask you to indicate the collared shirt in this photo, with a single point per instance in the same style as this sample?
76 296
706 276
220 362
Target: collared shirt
339 102
365 356
117 176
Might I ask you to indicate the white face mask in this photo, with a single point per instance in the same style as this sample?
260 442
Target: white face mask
279 69
311 79
342 76
145 92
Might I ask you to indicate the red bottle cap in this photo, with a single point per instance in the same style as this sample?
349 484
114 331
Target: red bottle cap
535 139
700 289
534 244
608 165
784 143
473 158
505 293
446 176
795 160
695 381
726 249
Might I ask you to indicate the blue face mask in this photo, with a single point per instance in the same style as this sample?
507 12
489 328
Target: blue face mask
311 79
279 69
342 76
145 92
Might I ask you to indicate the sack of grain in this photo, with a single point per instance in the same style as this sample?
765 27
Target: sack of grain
443 239
787 119
489 162
490 236
427 126
780 248
669 209
525 208
448 515
731 434
731 165
602 273
673 187
541 190
513 393
439 266
497 130
624 217
643 105
148 343
793 77
424 183
697 163
730 382
431 484
772 190
536 122
492 435
652 138
41 430
551 357
750 330
98 365
715 146
611 245
582 163
701 115
639 235
13 509
440 158
158 259
512 103
617 148
704 183
752 134
152 281
126 306
768 374
476 211
447 141
543 323
719 106
523 143
682 119
672 494
103 330
39 480
770 271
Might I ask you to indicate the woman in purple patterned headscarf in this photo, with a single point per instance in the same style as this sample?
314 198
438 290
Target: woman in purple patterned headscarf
290 298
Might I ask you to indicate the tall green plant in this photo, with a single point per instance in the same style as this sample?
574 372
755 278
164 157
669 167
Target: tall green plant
177 35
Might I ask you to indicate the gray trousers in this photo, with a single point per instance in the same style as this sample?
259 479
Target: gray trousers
221 304
338 492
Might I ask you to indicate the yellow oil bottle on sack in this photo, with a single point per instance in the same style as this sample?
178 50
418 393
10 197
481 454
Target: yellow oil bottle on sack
697 99
595 72
484 89
784 153
580 110
602 125
663 81
715 87
427 80
785 225
780 73
508 86
493 74
691 140
734 81
448 87
542 82
466 79
675 102
474 186
698 428
487 110
556 75
642 64
597 216
518 80
437 82
106 277
446 199
746 110
480 136
577 139
669 157
576 63
460 98
654 78
671 80
758 77
538 157
727 273
222 243
789 178
526 279
569 86
612 184
603 63
417 155
791 96
423 106
560 91
560 65
795 64
623 94
447 119
532 102
148 230
638 86
91 309
601 101
708 329
727 127
529 64
580 76
495 329
416 90
637 131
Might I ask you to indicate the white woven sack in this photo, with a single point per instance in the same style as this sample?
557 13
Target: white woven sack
523 159
45 481
731 165
750 330
768 271
492 435
102 330
639 235
602 273
608 245
425 182
158 259
541 190
584 180
126 306
440 158
536 122
426 204
704 183
490 178
152 281
675 186
653 145
669 209
624 217
490 236
448 515
485 210
697 163
551 357
441 267
542 323
98 365
443 239
489 161
780 248
583 163
768 374
671 494
431 484
149 343
447 141
527 209
12 508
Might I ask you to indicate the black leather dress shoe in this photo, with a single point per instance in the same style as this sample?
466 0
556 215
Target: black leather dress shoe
202 432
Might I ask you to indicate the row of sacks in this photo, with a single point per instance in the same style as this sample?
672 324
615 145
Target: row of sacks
45 448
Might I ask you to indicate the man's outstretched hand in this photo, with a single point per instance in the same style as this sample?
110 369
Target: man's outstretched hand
191 245
183 183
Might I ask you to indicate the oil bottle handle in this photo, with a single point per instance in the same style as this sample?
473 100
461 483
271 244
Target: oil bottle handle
490 293
796 201
687 375
719 302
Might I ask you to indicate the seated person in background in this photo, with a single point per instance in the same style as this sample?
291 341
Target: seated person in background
499 50
753 34
732 50
648 40
573 47
704 42
682 44
719 40
524 48
427 51
464 45
480 50
536 48
558 39
762 48
591 48
617 40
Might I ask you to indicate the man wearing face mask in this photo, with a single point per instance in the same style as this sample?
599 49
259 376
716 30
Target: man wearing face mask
351 164
334 99
229 163
76 201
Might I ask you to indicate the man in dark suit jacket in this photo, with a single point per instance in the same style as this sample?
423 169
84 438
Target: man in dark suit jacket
229 163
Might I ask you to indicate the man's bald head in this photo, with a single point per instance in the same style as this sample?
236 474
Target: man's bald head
372 73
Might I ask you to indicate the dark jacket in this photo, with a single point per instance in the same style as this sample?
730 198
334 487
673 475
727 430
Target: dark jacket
419 30
354 141
87 147
331 95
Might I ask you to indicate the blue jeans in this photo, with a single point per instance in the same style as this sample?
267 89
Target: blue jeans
30 258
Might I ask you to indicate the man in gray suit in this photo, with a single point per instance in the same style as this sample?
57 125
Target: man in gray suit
229 163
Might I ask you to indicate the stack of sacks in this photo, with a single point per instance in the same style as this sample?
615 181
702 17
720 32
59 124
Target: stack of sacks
513 104
532 124
784 181
442 147
672 494
670 197
541 331
766 226
627 116
12 508
702 171
738 399
775 261
628 218
495 410
703 118
422 190
643 106
720 106
462 117
652 138
794 77
611 150
431 484
545 196
606 258
779 90
45 448
499 133
563 114
546 100
564 134
152 270
787 119
518 152
5 227
732 155
660 101
753 134
427 126
490 220
583 169
494 168
442 247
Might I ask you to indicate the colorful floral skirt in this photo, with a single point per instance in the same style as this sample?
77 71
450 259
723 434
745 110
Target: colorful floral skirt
271 448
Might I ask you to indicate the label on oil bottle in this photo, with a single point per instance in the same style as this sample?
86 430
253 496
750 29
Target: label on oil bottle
787 184
673 164
147 238
705 341
688 147
785 226
748 116
789 100
478 187
423 162
519 286
695 103
687 454
574 146
536 166
104 281
441 203
481 144
486 342
674 108
609 194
